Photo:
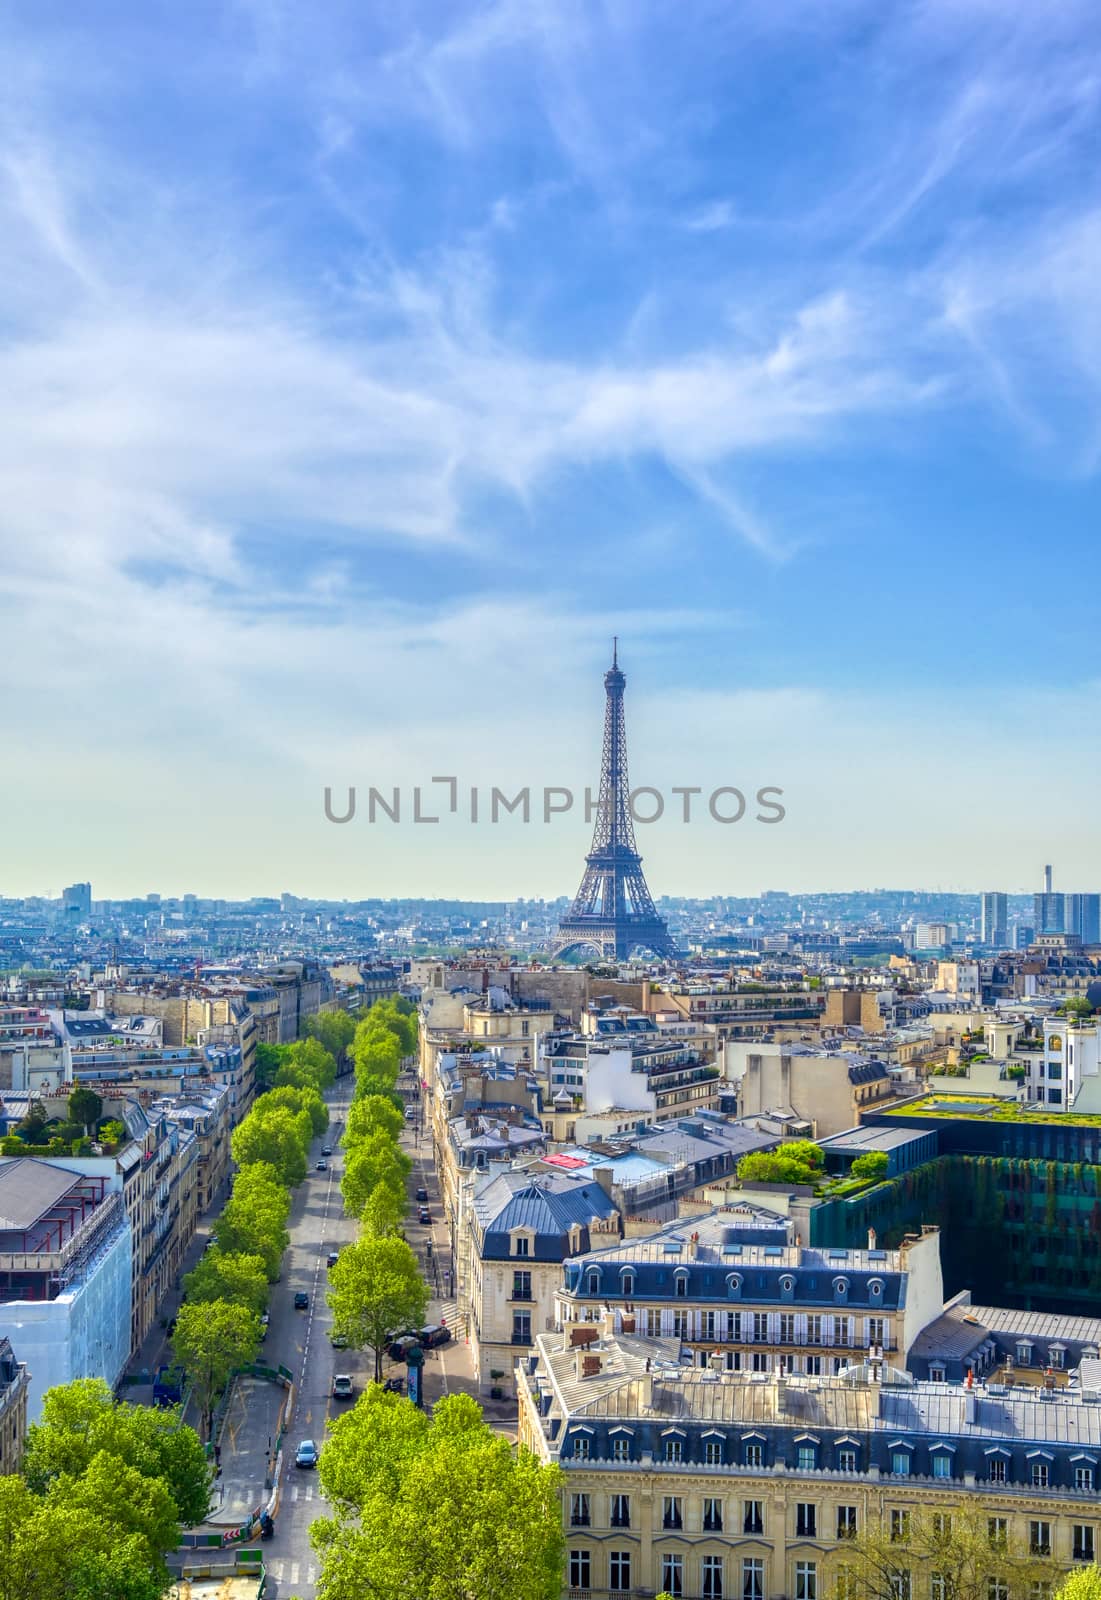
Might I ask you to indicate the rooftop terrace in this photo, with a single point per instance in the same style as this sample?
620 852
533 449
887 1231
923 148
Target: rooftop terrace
987 1108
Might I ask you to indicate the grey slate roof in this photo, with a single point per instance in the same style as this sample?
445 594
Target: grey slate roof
549 1204
28 1189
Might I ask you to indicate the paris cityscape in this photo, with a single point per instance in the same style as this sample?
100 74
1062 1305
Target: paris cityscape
550 916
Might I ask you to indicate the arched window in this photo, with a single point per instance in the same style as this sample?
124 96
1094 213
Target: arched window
592 1281
734 1285
875 1288
627 1282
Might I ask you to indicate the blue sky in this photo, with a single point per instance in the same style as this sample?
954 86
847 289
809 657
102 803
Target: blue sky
363 369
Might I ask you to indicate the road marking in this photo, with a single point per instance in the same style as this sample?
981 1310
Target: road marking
293 1573
275 1567
311 1574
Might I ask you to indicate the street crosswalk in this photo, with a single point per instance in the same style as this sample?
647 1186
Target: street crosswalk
293 1571
302 1491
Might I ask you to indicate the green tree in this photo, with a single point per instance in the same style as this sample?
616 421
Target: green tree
372 1113
85 1108
384 1212
455 1514
297 1100
789 1164
872 1165
274 1137
210 1342
240 1279
333 1030
1082 1584
32 1129
269 1059
117 1493
254 1221
376 1159
310 1056
955 1544
376 1292
56 1552
82 1419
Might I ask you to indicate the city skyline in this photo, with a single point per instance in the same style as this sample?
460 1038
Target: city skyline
365 375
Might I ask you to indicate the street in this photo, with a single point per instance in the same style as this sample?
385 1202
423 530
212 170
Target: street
299 1339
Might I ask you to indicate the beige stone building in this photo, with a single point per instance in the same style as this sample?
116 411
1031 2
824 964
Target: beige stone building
827 1090
13 1408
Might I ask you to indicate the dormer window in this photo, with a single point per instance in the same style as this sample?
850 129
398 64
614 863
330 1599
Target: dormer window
681 1282
734 1285
875 1289
787 1284
841 1290
627 1282
592 1281
521 1245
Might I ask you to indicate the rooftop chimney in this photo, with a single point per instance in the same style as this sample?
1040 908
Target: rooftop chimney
588 1366
583 1333
871 1238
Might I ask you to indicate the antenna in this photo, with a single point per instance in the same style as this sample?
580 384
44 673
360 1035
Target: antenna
615 650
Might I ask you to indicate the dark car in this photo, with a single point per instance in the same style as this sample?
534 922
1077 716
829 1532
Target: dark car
399 1348
422 1196
326 1149
306 1455
424 1215
301 1300
332 1258
435 1335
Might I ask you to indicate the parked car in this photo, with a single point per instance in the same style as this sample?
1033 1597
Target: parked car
265 1324
434 1335
322 1166
424 1215
301 1300
410 1113
332 1258
326 1149
399 1348
337 1340
342 1387
422 1195
306 1454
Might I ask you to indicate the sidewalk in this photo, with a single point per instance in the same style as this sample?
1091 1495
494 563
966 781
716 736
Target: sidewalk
247 1439
155 1350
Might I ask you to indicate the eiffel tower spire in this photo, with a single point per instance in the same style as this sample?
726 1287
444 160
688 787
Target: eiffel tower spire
613 909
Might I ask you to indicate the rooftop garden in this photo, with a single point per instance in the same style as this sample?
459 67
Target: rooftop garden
987 1108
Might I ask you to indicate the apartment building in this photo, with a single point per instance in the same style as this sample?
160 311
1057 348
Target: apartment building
66 1271
524 1224
626 1061
731 1286
33 1060
743 1485
156 1163
14 1383
826 1090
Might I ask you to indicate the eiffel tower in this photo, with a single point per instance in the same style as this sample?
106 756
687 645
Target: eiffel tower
613 910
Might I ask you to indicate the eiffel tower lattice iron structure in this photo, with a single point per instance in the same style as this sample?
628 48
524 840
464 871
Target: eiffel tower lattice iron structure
613 910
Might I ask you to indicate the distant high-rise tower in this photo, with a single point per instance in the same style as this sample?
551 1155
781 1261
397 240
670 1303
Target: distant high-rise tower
995 920
1048 908
1082 915
76 901
613 910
